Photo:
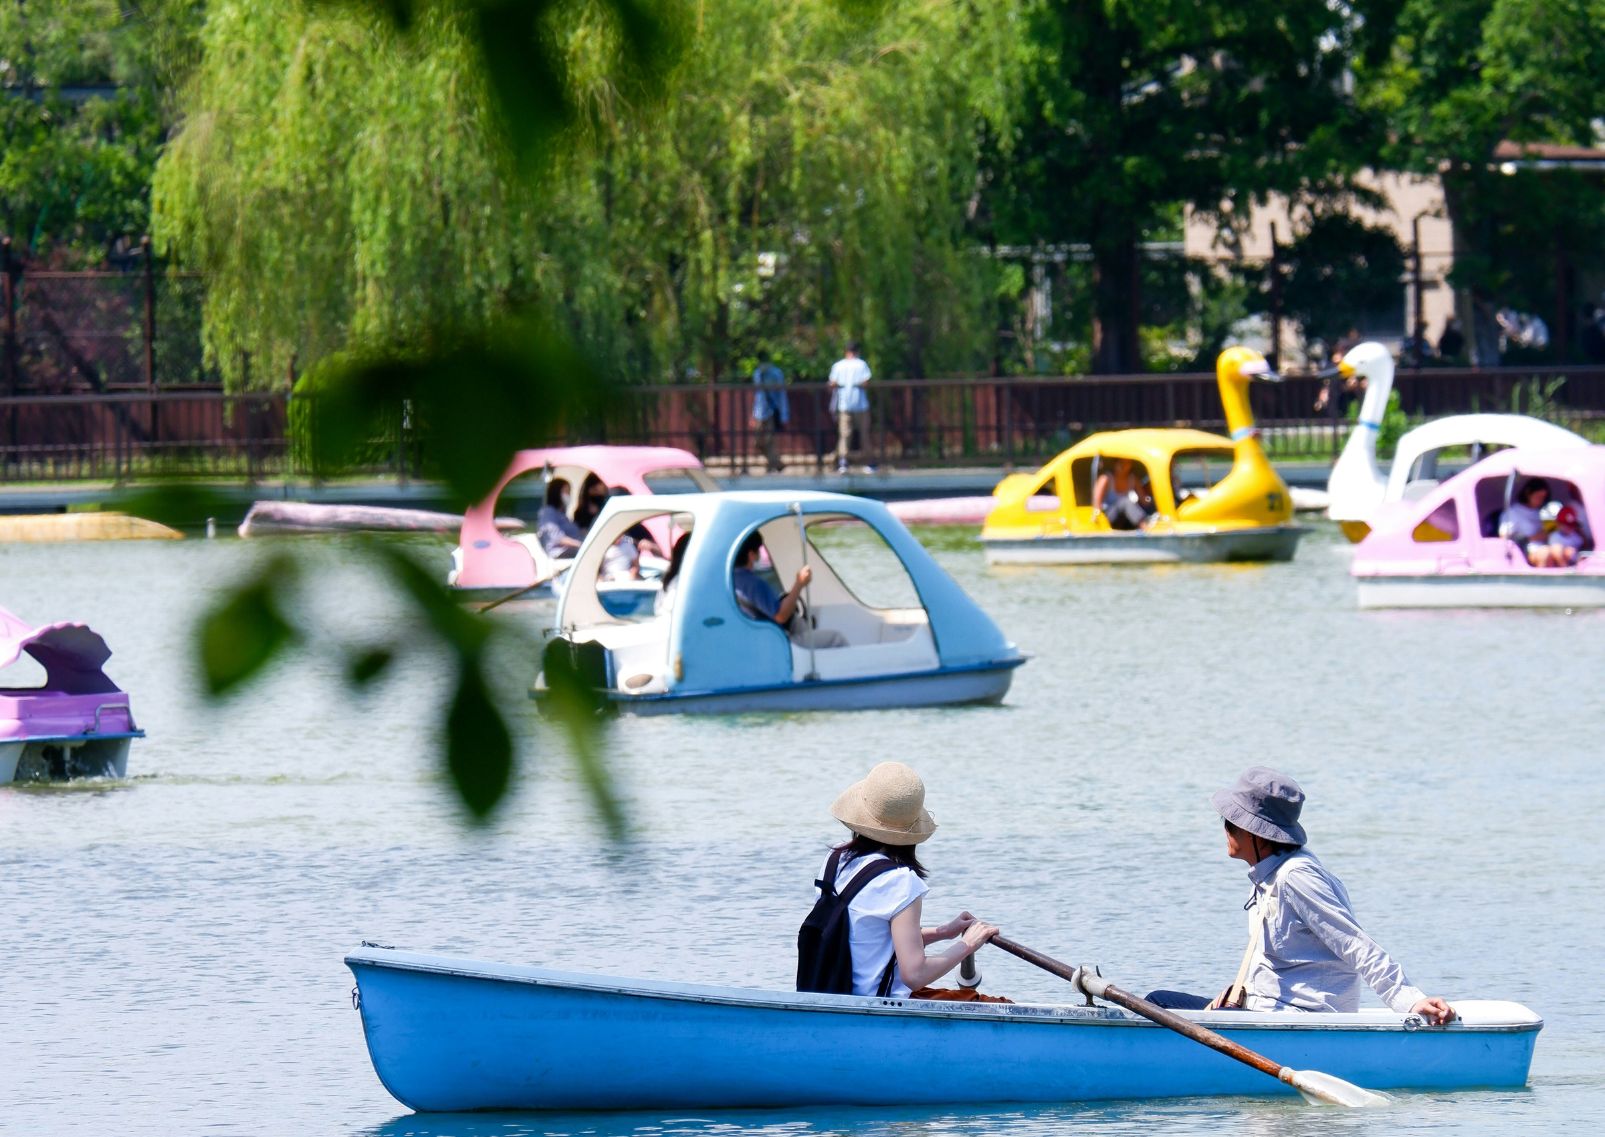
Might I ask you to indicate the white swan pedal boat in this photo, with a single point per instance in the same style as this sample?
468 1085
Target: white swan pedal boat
450 1034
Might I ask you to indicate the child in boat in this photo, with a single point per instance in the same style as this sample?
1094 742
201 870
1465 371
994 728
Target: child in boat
886 814
1306 950
1567 541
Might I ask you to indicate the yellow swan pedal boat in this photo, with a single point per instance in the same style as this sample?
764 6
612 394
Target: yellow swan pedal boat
1246 514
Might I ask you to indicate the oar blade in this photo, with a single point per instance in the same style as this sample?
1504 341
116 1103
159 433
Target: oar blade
1320 1088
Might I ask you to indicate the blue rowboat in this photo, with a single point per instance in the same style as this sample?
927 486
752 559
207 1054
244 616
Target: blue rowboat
452 1034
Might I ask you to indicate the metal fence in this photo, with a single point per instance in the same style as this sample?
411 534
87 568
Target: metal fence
200 431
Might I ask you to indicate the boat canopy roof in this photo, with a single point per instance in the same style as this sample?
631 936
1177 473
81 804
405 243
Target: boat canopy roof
490 558
625 466
1522 431
71 654
1152 446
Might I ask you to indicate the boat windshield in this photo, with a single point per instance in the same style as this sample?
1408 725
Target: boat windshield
681 479
1194 471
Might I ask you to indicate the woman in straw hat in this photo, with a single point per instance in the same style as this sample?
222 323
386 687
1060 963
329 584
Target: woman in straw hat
887 816
1306 949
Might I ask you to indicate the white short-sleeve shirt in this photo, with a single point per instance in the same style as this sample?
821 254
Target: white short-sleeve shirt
870 919
849 377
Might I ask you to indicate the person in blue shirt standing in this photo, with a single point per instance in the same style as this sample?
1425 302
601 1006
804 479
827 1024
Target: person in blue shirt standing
850 404
770 409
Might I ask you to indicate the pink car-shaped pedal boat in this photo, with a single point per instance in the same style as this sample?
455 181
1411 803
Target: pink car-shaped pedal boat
1445 550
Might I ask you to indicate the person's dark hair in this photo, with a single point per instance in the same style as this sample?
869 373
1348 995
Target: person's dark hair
554 492
1530 485
750 546
854 347
1274 846
763 355
862 846
676 558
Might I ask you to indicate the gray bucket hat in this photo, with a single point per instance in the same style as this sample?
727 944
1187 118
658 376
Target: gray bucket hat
1264 803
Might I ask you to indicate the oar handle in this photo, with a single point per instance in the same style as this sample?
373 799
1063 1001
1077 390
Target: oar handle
1100 988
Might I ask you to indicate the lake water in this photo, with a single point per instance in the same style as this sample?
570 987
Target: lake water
173 942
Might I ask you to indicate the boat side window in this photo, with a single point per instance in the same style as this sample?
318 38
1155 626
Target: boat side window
1044 497
1191 473
1081 476
1442 524
25 674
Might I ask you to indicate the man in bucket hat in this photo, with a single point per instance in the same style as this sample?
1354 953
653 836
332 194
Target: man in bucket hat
1306 949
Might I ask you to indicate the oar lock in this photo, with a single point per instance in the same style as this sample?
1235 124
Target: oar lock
1083 981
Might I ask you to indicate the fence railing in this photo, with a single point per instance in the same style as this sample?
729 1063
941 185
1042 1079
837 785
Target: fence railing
191 431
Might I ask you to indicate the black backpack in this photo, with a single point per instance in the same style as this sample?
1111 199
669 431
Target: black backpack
824 942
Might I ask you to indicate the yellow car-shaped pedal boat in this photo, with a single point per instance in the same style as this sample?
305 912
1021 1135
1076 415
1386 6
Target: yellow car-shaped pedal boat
1144 496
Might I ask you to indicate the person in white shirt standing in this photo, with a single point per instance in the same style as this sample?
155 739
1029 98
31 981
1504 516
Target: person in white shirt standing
850 404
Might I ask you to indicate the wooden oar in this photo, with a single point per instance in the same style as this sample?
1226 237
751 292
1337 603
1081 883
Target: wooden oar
1312 1084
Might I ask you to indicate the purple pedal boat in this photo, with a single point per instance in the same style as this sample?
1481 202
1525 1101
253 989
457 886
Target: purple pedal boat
78 724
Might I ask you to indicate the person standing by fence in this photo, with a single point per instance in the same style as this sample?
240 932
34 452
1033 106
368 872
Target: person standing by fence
770 409
850 404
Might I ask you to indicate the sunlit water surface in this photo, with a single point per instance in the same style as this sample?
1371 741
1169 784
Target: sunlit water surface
173 942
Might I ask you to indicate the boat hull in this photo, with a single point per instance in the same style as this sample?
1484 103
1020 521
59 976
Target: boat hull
1562 589
449 1034
60 759
1271 543
958 687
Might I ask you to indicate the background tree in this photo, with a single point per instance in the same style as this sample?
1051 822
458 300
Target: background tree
1463 76
1135 107
344 184
84 108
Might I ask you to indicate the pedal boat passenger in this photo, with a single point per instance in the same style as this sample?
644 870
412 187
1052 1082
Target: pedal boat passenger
886 814
1306 949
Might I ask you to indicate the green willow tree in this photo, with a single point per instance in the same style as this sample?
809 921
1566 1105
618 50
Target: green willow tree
811 181
344 183
1136 107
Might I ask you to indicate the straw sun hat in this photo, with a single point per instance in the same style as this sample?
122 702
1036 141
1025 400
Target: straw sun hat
887 806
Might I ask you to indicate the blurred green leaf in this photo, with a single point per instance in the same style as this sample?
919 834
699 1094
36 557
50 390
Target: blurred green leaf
363 667
463 631
478 745
178 504
478 397
245 630
578 708
400 14
526 72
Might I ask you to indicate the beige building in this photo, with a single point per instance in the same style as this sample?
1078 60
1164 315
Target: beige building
1413 205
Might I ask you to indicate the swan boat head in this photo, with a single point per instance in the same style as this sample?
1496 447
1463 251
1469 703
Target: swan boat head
1357 486
1252 491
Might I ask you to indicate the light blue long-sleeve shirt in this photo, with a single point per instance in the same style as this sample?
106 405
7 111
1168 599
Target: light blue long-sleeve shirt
1313 953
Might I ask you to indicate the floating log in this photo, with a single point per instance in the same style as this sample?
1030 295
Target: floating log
47 527
271 518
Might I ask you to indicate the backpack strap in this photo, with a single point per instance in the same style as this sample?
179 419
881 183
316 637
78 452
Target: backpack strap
865 875
827 887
